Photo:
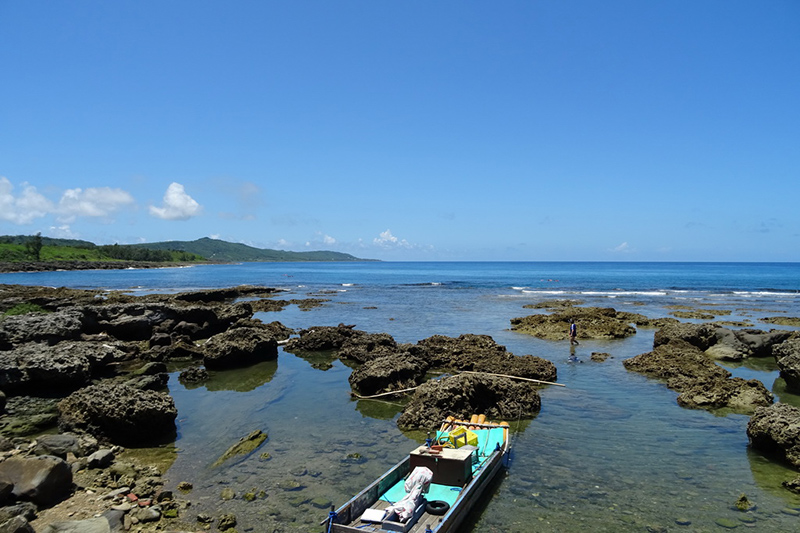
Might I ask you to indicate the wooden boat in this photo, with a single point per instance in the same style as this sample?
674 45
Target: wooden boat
463 458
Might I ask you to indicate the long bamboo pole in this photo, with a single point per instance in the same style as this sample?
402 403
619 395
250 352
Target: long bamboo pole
514 377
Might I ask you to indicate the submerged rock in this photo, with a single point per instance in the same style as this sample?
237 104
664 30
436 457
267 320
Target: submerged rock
245 446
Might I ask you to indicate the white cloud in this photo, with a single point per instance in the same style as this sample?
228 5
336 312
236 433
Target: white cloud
91 202
327 239
177 205
63 232
26 207
621 248
387 240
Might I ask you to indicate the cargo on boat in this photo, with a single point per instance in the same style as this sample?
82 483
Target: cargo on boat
434 487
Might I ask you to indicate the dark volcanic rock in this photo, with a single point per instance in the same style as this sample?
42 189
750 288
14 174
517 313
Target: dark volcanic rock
195 374
776 430
239 347
464 395
43 480
322 338
480 353
701 382
460 353
368 346
787 355
701 336
119 413
392 372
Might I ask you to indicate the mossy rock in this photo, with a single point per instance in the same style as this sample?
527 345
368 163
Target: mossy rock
727 523
245 446
227 493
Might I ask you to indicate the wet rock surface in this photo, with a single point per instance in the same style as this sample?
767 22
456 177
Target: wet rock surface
787 356
776 430
700 382
593 323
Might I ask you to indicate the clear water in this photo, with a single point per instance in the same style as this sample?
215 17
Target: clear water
611 451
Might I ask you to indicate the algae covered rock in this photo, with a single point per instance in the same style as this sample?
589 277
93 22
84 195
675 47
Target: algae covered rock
245 446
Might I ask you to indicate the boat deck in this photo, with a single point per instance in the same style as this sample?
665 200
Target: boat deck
489 442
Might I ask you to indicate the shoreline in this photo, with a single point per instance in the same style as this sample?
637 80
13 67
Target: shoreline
56 266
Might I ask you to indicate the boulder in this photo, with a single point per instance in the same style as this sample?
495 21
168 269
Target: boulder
119 413
43 480
26 510
322 338
239 347
741 395
108 522
701 336
18 524
194 374
464 395
363 348
787 355
776 430
593 323
58 445
392 372
460 353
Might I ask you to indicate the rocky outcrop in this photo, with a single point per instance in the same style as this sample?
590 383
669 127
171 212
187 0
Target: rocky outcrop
701 336
388 373
322 338
593 323
700 381
65 366
48 328
119 414
365 347
464 395
775 430
42 480
241 346
787 355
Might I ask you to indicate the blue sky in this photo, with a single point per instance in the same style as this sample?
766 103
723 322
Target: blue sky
413 130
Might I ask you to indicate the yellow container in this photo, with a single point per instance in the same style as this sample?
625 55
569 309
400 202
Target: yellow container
461 436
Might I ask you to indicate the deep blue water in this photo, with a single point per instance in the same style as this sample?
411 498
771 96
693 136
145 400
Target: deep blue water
611 451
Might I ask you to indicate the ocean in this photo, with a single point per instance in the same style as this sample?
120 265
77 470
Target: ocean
610 451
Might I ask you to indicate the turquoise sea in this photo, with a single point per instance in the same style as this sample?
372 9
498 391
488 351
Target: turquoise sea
611 451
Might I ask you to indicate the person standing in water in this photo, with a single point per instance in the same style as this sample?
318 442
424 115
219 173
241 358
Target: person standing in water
573 332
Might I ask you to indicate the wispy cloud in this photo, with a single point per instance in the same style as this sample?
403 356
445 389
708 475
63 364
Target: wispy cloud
622 248
178 205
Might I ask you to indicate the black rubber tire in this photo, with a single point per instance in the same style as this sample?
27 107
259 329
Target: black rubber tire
437 507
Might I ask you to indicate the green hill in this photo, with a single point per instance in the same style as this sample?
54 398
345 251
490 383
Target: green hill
15 248
217 250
